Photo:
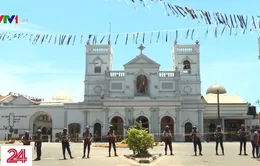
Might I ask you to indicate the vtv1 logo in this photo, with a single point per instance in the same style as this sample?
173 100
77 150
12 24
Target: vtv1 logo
16 155
6 18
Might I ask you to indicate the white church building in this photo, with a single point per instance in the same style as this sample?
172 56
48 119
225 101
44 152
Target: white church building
139 92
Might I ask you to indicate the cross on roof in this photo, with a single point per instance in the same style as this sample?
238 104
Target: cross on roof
141 48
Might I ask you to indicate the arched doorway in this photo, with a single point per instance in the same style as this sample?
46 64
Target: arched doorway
141 85
74 129
118 124
97 132
212 129
188 130
144 120
44 131
43 121
167 120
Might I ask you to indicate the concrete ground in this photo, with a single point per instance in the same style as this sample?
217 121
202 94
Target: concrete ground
184 156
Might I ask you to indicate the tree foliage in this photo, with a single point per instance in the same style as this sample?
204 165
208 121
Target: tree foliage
139 140
258 102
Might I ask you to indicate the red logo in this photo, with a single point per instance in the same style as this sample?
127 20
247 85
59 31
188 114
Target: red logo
17 156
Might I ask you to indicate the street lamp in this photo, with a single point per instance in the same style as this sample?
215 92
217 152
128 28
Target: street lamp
217 89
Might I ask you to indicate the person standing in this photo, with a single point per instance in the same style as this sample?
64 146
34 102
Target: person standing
254 136
196 140
219 139
111 140
167 136
242 133
38 145
87 136
65 142
26 139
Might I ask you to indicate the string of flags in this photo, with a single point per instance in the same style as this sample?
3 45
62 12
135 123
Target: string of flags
125 38
231 21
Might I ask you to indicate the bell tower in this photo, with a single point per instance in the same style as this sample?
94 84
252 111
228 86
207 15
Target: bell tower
187 59
98 59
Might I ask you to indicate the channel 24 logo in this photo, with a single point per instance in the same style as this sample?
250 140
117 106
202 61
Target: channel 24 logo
16 155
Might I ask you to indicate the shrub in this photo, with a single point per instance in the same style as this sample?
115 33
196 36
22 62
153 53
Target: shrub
124 141
139 140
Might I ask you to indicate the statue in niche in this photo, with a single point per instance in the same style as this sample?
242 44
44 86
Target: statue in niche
141 85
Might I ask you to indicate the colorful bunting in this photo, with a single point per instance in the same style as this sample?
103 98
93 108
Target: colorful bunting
134 37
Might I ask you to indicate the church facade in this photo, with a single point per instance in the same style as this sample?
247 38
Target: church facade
139 92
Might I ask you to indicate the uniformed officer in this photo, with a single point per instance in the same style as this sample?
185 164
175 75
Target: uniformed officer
254 138
219 139
87 136
242 133
167 136
111 140
26 139
196 140
38 144
65 142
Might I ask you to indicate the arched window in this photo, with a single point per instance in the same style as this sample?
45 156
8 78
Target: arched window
97 69
187 67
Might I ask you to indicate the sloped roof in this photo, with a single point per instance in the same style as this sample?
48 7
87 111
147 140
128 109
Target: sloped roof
142 59
223 99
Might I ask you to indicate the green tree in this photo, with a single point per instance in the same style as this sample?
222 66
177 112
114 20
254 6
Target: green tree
258 102
139 140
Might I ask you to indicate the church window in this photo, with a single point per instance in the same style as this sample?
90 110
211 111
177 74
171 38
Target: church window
187 67
97 69
141 85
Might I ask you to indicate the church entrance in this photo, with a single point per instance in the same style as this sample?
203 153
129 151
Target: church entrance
145 122
43 121
188 130
97 132
141 85
74 131
118 124
167 120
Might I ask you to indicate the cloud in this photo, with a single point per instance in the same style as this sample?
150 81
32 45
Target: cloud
22 27
47 68
41 80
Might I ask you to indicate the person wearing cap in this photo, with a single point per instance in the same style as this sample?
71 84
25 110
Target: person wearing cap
242 133
87 137
38 144
65 142
26 139
111 140
195 135
254 136
167 137
219 139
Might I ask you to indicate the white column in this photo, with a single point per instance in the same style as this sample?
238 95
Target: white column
106 120
200 121
178 134
223 127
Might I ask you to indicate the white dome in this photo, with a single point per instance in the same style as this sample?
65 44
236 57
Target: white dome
61 96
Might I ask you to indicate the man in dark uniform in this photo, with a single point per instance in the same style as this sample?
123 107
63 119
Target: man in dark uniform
65 142
167 137
111 140
242 133
196 140
87 136
26 139
38 144
219 139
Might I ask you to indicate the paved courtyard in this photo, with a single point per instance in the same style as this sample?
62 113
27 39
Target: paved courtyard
52 156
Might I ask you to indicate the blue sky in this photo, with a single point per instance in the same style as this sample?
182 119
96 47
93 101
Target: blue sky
41 70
